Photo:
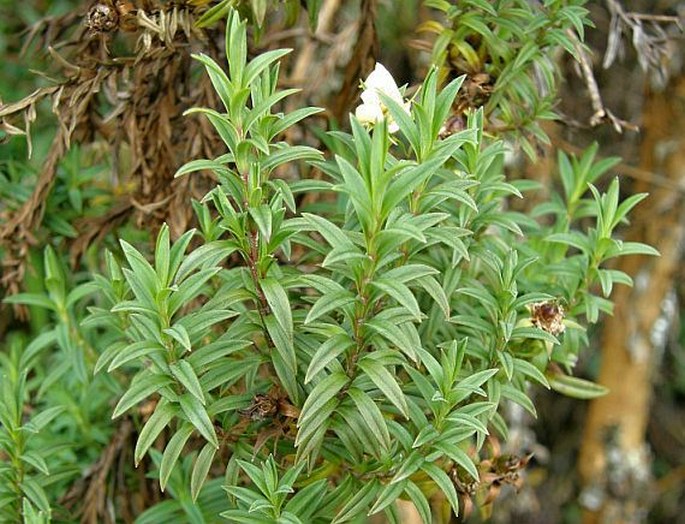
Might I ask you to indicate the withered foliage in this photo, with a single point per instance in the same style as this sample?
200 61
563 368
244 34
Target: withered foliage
126 78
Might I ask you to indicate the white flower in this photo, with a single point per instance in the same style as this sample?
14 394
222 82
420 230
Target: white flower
372 109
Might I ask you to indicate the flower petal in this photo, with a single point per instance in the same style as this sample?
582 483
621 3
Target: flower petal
369 113
381 80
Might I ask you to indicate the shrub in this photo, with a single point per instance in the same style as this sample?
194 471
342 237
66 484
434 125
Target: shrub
321 365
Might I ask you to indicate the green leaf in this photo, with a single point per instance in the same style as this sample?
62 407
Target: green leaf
207 255
278 301
283 342
185 374
143 385
507 362
307 500
389 494
261 62
179 333
201 469
409 466
43 418
401 334
162 255
286 375
197 415
356 505
327 229
631 248
36 494
401 293
526 368
35 460
327 352
135 351
386 382
520 398
459 456
372 416
444 483
190 288
322 393
289 154
172 451
142 270
437 293
31 299
163 414
329 302
528 332
420 502
217 76
262 217
573 239
81 291
576 387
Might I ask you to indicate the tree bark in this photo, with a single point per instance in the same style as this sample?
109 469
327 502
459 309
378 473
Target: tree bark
615 460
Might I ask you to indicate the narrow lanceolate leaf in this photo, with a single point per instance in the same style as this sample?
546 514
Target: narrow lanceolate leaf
34 459
358 503
412 463
327 352
576 387
163 414
399 292
372 416
389 494
386 382
530 371
198 417
180 334
42 419
31 299
171 453
142 386
282 342
420 502
437 293
279 304
135 351
185 374
35 493
394 334
190 288
459 456
307 499
327 229
286 375
444 483
141 268
262 217
162 255
329 302
322 393
201 469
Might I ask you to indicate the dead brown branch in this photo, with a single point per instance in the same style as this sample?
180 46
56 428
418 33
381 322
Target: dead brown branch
362 61
132 102
601 113
89 494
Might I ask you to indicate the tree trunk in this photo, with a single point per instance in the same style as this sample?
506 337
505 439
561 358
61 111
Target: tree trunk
615 461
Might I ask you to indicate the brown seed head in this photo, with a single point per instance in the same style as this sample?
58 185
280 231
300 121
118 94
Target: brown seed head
102 18
548 316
